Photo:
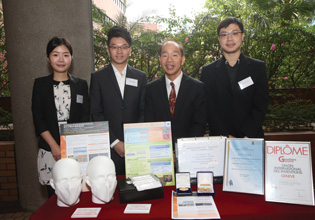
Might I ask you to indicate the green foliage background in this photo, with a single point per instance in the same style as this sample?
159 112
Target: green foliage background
280 32
286 24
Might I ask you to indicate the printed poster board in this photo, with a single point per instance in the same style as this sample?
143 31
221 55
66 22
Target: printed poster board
148 149
84 141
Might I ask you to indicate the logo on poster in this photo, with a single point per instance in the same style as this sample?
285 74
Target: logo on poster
289 160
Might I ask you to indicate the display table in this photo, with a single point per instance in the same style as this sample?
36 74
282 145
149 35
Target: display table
230 205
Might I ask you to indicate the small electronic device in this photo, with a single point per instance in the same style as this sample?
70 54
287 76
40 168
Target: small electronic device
145 182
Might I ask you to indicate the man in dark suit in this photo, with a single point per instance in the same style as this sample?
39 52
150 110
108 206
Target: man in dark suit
183 103
236 87
117 93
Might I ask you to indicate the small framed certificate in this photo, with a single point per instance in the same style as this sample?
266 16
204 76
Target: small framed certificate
205 183
244 170
201 154
183 184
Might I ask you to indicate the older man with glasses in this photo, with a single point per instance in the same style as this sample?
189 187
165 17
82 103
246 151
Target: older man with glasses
236 87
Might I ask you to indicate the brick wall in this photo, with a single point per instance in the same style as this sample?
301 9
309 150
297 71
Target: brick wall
8 180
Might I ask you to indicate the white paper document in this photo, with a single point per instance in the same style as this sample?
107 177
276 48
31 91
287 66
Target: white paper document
244 171
193 207
201 154
137 209
289 176
85 213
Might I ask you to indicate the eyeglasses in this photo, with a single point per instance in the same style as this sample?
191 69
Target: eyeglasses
123 47
232 34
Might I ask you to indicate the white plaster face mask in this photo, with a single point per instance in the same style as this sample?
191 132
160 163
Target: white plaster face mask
67 182
101 177
103 188
68 191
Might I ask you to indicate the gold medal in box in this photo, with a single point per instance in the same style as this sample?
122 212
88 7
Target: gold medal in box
205 183
183 184
183 188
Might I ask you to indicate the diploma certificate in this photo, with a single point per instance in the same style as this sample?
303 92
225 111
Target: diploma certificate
289 177
201 154
244 166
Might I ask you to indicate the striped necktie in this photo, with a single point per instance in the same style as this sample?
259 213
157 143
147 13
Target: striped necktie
172 99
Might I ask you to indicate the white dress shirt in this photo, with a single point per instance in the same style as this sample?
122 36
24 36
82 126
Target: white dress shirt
121 80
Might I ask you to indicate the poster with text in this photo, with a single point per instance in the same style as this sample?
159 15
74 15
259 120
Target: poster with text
84 141
289 176
148 149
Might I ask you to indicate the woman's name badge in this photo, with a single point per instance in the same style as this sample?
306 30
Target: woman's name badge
79 99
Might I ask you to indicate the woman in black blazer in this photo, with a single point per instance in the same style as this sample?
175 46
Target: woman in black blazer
57 98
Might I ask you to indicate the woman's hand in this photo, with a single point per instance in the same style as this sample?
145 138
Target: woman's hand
55 148
55 151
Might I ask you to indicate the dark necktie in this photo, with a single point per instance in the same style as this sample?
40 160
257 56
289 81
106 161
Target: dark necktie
172 99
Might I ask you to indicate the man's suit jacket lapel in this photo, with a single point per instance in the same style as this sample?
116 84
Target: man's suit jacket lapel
113 79
222 74
73 88
243 70
129 74
182 94
164 97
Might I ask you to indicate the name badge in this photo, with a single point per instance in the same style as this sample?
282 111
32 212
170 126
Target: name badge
246 82
80 99
132 82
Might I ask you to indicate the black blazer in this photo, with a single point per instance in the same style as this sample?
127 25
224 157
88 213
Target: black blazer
240 112
107 104
44 109
189 119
